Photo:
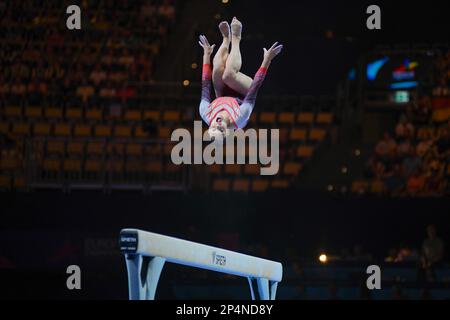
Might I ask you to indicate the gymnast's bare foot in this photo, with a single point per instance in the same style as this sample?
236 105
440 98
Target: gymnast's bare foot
224 28
236 28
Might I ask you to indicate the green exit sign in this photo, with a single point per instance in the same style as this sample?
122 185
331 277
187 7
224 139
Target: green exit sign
401 96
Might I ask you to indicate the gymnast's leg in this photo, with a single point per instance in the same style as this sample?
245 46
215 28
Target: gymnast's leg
220 59
232 76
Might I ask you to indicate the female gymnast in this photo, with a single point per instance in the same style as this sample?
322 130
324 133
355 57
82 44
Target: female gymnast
235 91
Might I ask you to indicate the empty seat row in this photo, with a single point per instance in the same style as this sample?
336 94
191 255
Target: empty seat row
247 185
76 114
90 114
117 165
65 129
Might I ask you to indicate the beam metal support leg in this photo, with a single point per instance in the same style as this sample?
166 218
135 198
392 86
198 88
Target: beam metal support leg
143 276
263 288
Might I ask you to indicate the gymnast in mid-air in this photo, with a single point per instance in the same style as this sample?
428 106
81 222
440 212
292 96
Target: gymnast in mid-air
235 91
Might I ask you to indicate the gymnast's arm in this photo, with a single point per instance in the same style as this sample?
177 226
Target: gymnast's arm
206 77
250 98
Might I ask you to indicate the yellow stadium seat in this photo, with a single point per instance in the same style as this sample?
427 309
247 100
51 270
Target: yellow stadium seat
167 149
95 148
51 164
292 168
153 167
19 182
252 169
62 129
9 163
74 113
102 130
21 128
305 117
55 147
305 151
164 132
13 112
215 169
172 168
92 165
133 166
132 115
280 184
152 115
153 150
317 134
140 133
94 114
234 169
359 186
286 117
72 165
5 181
324 118
241 185
421 133
173 116
441 115
377 186
82 130
53 113
42 129
33 112
114 166
267 117
115 148
134 149
260 185
75 148
297 134
4 127
122 131
222 185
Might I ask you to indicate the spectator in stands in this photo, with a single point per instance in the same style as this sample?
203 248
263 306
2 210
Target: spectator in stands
406 254
98 75
167 10
443 145
420 111
18 90
404 128
85 91
107 94
416 183
404 147
432 254
148 9
386 147
126 93
126 59
411 163
394 180
108 58
423 147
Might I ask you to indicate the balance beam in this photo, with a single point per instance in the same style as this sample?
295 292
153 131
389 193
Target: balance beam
146 252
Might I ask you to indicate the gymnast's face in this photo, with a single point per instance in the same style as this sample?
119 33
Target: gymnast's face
219 126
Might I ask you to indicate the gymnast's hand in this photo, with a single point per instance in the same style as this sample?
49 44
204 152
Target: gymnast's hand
207 48
274 50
